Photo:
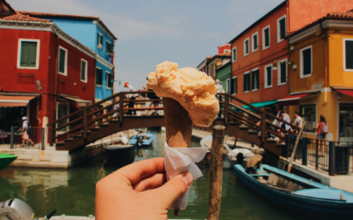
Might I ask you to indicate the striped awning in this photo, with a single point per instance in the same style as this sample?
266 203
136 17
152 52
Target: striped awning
14 101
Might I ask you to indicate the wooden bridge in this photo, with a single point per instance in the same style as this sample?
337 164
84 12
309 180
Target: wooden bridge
114 114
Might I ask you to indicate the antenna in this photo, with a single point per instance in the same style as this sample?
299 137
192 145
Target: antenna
101 5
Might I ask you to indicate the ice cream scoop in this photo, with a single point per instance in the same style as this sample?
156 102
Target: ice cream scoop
193 89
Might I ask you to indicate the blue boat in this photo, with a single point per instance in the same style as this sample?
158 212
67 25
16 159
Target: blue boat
147 139
299 194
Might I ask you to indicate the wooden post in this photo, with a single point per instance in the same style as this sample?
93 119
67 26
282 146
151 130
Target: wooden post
226 109
263 127
85 124
216 172
295 147
121 107
51 134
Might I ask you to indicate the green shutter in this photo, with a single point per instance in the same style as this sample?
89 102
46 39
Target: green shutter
100 77
267 37
28 54
98 39
97 76
83 70
349 54
101 40
62 54
282 26
109 80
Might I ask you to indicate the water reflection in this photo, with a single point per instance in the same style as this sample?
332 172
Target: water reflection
71 191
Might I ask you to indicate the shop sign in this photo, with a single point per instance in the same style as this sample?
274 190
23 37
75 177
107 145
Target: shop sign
318 85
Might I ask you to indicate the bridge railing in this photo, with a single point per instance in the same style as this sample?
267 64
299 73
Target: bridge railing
113 108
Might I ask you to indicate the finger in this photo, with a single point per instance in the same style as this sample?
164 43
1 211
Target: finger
139 170
150 182
174 188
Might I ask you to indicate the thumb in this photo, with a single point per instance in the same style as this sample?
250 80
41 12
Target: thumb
175 187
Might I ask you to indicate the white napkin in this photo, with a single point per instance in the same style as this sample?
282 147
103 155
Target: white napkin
179 160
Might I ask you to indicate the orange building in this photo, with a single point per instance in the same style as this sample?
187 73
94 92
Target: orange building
321 74
260 54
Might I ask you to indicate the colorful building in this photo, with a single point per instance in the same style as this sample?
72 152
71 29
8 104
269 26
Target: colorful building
260 54
44 73
321 80
224 74
211 63
92 32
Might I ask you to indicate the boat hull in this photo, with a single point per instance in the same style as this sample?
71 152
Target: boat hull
119 155
144 142
314 207
6 159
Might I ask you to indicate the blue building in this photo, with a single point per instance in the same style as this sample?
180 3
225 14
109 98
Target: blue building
92 32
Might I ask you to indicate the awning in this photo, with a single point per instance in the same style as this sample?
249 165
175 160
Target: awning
346 92
293 99
80 102
260 104
14 101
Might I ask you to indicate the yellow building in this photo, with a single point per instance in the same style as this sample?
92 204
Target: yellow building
321 75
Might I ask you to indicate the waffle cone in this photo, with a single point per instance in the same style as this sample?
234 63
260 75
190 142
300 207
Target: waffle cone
178 125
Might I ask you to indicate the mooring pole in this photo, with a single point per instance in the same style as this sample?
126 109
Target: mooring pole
216 172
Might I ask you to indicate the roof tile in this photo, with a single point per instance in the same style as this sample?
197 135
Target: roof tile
22 17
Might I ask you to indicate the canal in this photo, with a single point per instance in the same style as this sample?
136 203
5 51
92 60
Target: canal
72 191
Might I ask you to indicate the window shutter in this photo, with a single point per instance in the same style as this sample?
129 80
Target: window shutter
62 54
267 37
283 72
236 85
83 70
258 79
232 86
269 75
244 78
24 54
247 47
252 80
101 77
108 47
255 42
307 61
98 40
282 25
101 40
349 54
32 54
109 79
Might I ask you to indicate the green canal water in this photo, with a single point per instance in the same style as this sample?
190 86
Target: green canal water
72 191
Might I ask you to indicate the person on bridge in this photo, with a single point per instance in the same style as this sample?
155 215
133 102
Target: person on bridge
130 97
139 191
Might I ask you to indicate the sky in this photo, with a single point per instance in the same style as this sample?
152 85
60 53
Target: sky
152 31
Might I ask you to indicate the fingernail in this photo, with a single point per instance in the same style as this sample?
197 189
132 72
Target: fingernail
187 179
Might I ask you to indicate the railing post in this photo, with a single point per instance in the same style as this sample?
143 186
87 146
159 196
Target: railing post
317 155
85 119
12 136
51 134
226 108
286 146
121 107
332 159
42 136
305 151
263 127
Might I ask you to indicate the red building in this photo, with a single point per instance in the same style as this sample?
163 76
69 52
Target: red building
212 63
44 73
260 54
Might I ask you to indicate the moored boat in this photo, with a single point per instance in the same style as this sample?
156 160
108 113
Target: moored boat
119 155
299 194
144 138
6 159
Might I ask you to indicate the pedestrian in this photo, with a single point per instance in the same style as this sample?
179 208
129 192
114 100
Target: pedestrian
220 90
130 97
284 117
322 130
26 132
253 163
297 122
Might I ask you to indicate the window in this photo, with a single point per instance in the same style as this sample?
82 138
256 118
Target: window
228 85
246 47
246 82
62 61
266 38
99 40
268 76
348 54
108 80
83 70
306 62
110 48
234 86
234 54
281 29
99 76
255 78
308 113
255 42
226 51
28 54
282 72
62 110
345 122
